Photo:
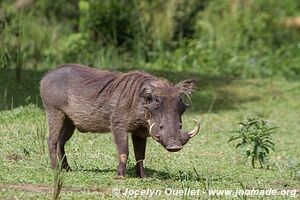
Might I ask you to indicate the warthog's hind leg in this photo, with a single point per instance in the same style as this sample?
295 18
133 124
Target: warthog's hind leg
55 123
60 131
65 134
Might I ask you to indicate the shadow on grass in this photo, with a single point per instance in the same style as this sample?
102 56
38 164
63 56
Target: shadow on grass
150 173
130 172
208 93
95 170
161 175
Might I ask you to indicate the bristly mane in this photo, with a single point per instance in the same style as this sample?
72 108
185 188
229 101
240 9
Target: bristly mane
131 83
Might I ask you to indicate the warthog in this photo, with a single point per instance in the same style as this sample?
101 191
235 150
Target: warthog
91 100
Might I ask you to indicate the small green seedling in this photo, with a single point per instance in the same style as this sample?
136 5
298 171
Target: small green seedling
58 180
255 140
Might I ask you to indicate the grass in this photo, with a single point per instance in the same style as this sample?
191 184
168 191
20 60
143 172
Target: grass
206 162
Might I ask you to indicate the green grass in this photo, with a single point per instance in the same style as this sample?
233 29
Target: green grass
207 161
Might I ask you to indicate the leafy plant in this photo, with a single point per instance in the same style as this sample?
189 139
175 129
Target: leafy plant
255 139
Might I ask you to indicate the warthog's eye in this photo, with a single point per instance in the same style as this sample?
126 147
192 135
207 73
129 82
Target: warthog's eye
149 99
157 103
153 103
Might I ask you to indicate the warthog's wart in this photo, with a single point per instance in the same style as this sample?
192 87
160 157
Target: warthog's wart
91 100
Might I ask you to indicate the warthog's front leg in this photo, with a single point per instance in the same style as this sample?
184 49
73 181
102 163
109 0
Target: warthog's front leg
121 140
139 145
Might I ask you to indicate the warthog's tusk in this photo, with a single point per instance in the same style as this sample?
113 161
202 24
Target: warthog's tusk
195 130
151 128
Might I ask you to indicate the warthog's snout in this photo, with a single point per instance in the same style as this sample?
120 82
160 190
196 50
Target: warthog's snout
177 141
174 146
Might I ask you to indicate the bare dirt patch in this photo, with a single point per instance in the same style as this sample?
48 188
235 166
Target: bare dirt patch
49 189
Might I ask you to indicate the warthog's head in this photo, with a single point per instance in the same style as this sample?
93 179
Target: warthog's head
165 105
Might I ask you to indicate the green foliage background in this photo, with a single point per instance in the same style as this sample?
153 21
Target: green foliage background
236 38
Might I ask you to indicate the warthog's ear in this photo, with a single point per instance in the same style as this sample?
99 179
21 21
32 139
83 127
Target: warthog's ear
187 86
